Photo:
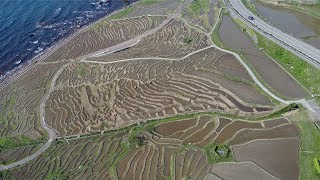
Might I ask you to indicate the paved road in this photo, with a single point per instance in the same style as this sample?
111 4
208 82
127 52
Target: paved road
304 50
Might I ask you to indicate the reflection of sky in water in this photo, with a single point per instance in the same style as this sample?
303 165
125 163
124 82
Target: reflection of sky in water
292 22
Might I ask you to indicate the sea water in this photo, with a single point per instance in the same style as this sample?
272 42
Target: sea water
28 27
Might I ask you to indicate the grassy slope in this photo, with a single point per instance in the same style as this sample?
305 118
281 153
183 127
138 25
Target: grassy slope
310 147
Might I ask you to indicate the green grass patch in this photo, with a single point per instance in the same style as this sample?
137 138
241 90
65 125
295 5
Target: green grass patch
305 73
245 27
121 14
310 147
316 162
218 153
196 6
311 37
187 40
81 70
17 141
56 176
249 5
215 34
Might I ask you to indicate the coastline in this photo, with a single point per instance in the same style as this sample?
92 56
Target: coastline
17 72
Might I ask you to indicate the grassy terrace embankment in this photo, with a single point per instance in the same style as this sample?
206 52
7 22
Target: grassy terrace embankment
310 145
305 73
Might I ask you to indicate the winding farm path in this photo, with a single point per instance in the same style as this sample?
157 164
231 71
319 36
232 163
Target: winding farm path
52 135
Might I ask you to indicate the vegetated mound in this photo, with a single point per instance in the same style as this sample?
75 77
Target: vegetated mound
284 153
92 97
175 40
103 35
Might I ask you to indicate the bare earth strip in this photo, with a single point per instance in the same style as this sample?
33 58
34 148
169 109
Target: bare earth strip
279 157
240 170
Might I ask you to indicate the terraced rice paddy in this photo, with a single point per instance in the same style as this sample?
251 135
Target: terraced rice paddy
169 106
175 40
107 96
169 150
103 35
19 106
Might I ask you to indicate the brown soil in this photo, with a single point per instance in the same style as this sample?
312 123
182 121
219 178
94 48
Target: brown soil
203 120
284 131
119 94
200 135
233 128
222 123
275 122
21 115
242 170
278 157
103 35
169 42
167 129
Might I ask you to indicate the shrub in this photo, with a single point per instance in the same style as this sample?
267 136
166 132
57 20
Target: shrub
317 164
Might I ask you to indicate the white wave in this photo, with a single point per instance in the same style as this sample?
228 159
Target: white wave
58 11
39 49
34 42
17 62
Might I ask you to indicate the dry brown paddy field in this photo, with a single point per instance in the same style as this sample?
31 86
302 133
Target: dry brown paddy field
100 97
171 106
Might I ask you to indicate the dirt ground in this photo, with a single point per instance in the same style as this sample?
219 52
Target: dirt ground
241 170
278 157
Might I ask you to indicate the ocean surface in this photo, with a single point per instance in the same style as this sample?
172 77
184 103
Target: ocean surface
28 27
